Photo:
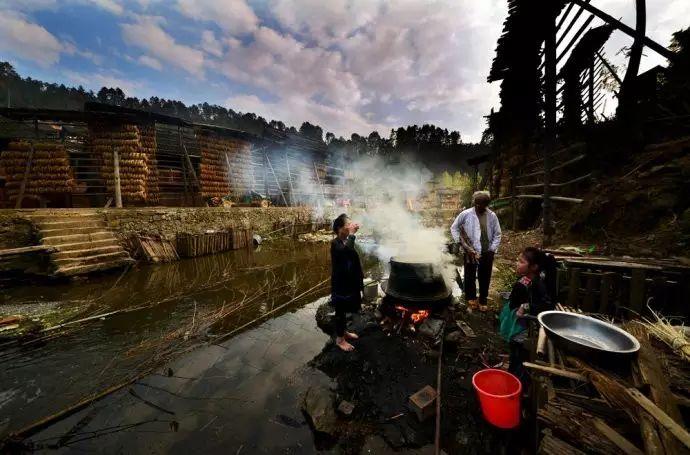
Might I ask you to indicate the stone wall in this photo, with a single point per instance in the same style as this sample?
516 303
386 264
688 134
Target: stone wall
169 222
16 229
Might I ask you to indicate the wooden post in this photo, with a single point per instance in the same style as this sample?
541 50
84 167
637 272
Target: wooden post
549 123
605 291
573 287
277 182
637 290
25 179
266 187
116 172
588 301
590 87
292 190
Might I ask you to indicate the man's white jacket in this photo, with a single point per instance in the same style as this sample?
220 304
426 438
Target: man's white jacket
468 221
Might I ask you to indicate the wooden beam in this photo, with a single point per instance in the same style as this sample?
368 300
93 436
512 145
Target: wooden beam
610 68
656 47
660 416
612 435
550 108
555 371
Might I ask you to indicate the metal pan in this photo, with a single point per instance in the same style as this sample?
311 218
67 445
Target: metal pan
588 337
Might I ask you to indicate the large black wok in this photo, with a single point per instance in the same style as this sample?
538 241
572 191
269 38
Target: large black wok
588 337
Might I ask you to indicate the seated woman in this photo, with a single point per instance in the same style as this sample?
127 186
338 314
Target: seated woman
529 296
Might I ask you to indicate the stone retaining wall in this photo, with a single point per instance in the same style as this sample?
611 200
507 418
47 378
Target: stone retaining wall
15 230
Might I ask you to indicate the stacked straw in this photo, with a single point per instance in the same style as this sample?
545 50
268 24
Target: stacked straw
240 166
50 168
133 159
214 169
149 146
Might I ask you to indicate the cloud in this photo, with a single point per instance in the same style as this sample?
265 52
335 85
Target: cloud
146 33
234 17
94 81
150 62
28 40
111 6
210 44
293 110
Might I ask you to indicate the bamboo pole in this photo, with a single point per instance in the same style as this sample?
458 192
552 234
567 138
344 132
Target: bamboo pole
116 172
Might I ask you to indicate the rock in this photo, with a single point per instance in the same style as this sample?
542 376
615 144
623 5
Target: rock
346 408
325 318
318 405
431 328
454 338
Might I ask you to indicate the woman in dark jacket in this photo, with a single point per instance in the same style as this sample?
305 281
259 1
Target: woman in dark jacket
347 278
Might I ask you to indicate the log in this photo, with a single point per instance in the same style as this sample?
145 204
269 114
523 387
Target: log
612 435
652 375
551 445
555 371
660 416
572 424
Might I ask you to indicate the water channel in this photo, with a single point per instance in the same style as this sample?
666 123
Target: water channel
239 393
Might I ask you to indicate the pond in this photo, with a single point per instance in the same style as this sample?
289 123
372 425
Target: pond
240 388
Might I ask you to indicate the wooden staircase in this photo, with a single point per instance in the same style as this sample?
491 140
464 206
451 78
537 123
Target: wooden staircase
83 243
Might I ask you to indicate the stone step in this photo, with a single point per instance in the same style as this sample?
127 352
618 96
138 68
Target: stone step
71 223
87 245
93 259
47 218
62 231
71 270
59 240
86 251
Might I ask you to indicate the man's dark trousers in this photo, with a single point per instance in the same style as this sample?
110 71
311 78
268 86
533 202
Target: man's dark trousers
481 271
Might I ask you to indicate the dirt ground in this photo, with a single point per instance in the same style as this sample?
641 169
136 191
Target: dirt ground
385 369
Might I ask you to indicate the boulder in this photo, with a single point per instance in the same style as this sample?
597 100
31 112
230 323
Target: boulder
318 406
325 317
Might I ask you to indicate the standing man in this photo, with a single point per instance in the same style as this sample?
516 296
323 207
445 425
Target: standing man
479 233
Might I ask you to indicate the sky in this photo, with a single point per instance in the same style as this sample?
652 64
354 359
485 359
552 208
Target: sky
351 66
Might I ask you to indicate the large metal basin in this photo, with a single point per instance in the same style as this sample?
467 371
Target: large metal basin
588 337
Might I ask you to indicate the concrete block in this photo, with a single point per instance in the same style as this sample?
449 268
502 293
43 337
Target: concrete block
423 403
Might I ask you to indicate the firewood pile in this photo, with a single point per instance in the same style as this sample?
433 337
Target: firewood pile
585 407
214 168
134 156
50 170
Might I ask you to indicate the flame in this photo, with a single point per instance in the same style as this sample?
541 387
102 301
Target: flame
416 316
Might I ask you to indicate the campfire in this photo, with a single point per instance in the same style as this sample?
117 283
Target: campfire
414 291
415 316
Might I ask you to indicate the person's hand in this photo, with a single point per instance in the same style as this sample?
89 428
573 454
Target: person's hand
353 228
520 312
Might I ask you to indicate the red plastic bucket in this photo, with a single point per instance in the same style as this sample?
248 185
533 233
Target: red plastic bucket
499 397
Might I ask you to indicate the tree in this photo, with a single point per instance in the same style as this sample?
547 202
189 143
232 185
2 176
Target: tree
312 131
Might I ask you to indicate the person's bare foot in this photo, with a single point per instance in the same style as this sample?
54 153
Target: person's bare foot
351 336
344 345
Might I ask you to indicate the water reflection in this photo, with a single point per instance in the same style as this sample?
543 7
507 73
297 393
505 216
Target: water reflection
41 378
